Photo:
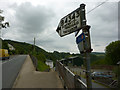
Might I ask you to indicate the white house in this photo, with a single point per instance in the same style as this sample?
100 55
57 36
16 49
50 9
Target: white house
11 47
49 63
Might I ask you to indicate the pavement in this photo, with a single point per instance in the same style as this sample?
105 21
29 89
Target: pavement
30 78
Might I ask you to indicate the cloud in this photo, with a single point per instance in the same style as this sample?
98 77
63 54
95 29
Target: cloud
30 20
104 25
40 20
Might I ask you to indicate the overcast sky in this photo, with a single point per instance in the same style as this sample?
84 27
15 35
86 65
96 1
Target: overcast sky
40 18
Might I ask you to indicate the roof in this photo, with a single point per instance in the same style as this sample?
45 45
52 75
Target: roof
49 60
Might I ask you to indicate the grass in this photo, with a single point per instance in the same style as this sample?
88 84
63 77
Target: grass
42 66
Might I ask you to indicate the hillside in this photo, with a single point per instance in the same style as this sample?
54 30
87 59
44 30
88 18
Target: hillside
42 55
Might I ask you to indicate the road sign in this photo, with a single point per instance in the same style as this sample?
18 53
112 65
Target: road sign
1 18
79 41
70 23
80 38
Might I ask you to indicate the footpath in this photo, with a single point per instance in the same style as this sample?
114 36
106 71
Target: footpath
28 77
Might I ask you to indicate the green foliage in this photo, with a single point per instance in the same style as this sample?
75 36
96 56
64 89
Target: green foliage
98 59
42 55
4 45
99 62
112 53
111 56
42 66
116 70
78 61
39 53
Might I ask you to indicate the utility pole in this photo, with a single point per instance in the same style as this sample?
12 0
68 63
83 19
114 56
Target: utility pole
87 46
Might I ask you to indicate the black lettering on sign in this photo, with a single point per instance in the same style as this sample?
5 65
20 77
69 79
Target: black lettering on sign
62 22
77 13
69 16
66 20
73 16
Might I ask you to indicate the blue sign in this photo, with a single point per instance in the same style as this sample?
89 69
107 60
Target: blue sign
80 38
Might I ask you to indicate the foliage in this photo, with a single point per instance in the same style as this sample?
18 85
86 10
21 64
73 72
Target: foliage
99 62
78 61
112 53
116 70
42 55
5 45
42 66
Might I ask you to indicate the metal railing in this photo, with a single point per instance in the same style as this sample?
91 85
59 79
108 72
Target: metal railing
70 80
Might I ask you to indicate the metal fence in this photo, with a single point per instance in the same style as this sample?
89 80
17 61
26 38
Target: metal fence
69 79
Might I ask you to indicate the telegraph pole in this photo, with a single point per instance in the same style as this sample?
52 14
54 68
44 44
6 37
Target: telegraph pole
87 46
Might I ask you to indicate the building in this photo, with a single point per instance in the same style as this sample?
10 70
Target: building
49 63
11 47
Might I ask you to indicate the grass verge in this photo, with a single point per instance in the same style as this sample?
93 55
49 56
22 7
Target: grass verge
42 66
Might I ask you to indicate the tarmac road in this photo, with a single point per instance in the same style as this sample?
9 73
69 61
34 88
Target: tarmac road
10 70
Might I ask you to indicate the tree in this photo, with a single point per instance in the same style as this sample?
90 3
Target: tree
112 53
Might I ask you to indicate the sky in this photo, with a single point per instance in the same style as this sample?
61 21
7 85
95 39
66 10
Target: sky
40 18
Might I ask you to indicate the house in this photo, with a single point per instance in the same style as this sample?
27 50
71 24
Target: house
11 47
49 63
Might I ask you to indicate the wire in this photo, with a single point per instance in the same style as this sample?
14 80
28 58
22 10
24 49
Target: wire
97 6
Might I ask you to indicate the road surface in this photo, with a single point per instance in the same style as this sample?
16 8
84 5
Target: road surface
10 69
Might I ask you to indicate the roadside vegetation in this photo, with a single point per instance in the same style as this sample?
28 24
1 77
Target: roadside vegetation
110 57
39 53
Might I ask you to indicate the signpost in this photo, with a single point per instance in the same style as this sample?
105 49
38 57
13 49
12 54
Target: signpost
70 23
74 22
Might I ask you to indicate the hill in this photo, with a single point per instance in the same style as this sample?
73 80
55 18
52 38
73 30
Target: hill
42 55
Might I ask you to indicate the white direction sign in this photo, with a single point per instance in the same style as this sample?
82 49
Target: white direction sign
69 23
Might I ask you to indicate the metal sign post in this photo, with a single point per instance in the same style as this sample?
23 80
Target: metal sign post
75 21
84 46
88 49
87 45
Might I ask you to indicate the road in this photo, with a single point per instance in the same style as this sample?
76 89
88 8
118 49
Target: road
10 70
